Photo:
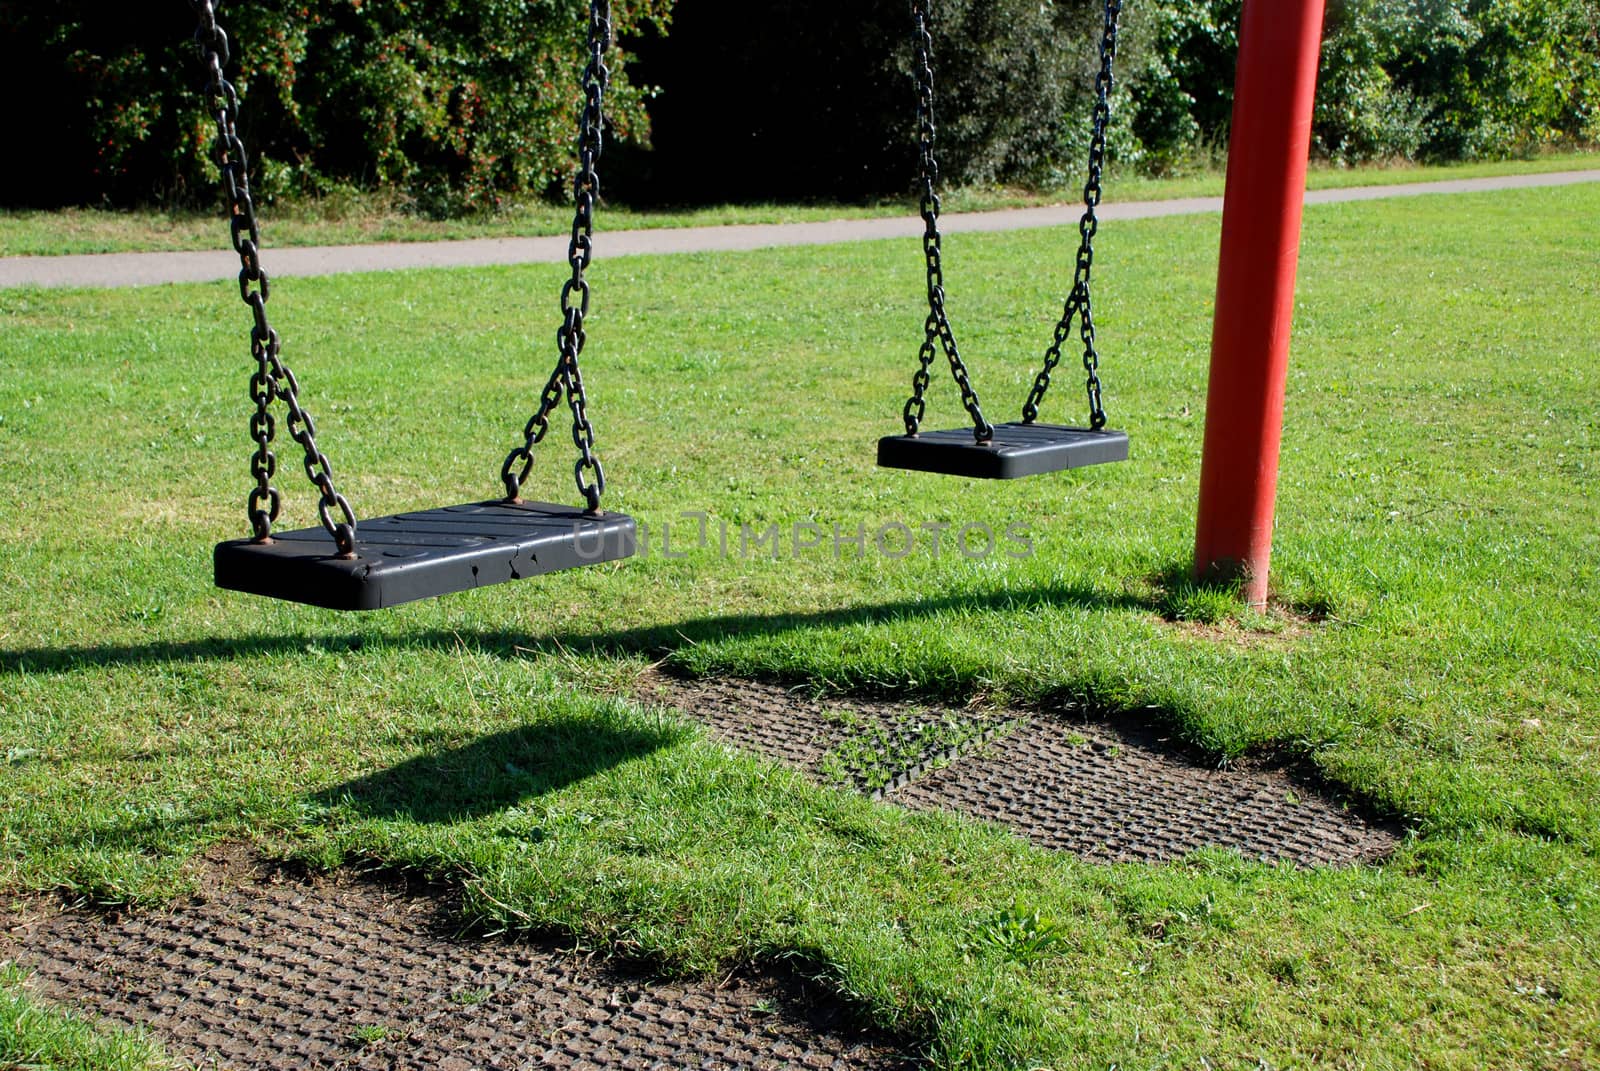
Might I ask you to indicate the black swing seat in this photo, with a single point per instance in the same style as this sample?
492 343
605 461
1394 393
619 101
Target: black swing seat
1016 450
419 555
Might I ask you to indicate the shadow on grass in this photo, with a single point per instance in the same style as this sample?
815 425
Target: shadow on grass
499 771
646 639
94 656
484 777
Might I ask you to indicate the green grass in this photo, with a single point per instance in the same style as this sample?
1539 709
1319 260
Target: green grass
1435 653
33 1035
355 218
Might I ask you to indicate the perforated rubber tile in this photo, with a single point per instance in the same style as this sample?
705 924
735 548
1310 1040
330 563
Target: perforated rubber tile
322 973
782 723
799 728
1100 793
1113 791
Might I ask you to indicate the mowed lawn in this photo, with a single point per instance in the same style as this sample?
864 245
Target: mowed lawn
1434 650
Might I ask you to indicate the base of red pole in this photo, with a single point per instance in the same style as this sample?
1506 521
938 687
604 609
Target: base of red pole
1251 581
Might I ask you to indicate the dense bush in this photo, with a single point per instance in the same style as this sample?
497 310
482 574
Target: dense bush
1016 81
814 97
1458 79
1180 83
452 101
1400 79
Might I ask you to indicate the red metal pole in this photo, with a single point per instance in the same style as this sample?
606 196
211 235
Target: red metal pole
1270 140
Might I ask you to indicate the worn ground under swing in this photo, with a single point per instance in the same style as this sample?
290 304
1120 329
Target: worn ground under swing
1115 790
271 968
276 969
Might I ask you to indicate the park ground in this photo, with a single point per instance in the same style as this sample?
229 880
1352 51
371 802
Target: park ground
1431 651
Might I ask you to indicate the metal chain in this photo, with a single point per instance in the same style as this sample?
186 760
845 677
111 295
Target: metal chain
567 379
272 379
936 328
1078 302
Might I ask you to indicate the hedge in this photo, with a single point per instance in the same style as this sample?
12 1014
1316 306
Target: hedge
454 102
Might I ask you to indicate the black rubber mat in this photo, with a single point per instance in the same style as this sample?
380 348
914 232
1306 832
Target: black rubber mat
866 744
1102 793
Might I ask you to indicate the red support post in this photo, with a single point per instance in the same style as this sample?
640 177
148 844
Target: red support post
1274 87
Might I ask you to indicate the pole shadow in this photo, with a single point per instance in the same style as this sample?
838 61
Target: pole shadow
646 639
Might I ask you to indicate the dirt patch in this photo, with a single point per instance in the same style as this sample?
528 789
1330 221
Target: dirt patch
1282 630
271 970
1114 791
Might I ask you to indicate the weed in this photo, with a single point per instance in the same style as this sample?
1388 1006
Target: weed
371 1034
1022 935
873 756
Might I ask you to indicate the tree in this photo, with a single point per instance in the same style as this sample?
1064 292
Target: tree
453 101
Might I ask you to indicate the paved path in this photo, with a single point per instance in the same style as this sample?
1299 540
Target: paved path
144 269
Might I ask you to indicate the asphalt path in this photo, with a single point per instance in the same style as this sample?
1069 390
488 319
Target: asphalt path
150 269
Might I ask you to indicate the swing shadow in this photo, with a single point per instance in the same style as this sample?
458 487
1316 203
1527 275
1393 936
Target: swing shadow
654 640
95 656
496 772
500 771
489 775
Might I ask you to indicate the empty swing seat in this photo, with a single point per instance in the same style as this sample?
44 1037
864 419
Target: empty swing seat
1016 450
419 555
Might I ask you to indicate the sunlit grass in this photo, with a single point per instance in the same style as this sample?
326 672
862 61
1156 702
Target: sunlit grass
33 1035
1433 650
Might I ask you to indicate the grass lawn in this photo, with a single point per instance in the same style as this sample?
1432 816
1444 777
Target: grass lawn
1438 538
350 219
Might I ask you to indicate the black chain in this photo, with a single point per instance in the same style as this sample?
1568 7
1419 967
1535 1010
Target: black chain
936 328
272 378
567 379
1078 303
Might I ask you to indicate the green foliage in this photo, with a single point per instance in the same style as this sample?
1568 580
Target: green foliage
453 103
1457 79
817 97
872 754
1020 934
458 104
1421 79
823 100
1180 79
1012 110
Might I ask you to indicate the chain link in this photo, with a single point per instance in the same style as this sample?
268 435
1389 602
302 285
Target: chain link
937 333
272 379
1078 302
567 379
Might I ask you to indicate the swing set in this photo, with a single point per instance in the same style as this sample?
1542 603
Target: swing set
386 561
